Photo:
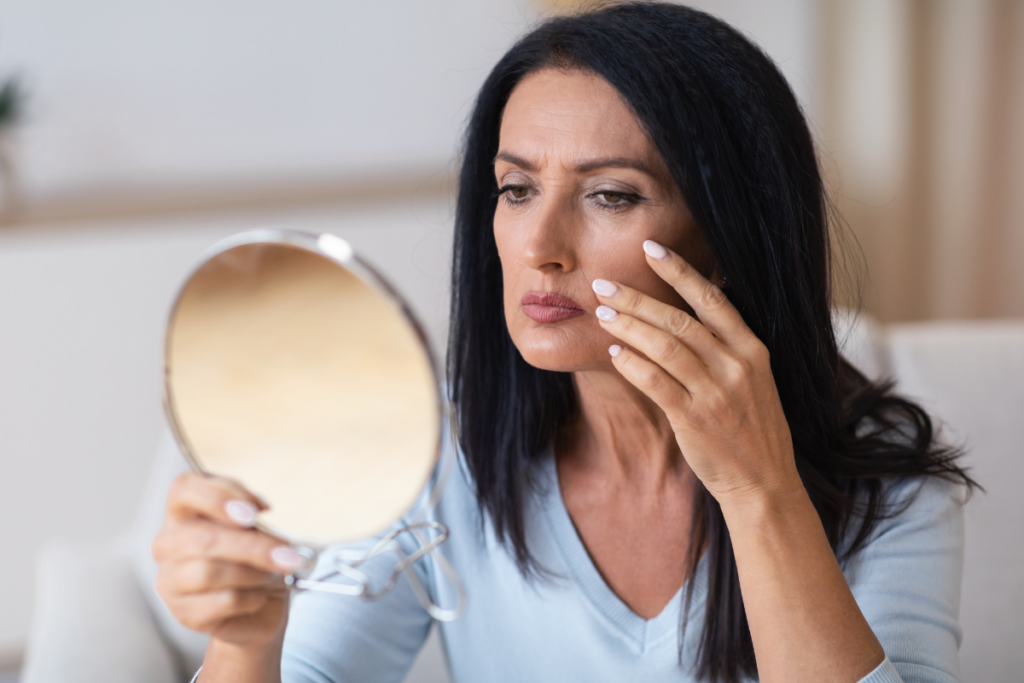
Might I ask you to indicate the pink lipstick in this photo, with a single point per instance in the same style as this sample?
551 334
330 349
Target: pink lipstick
549 308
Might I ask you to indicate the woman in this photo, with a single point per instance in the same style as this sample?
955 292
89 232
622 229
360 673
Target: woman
669 474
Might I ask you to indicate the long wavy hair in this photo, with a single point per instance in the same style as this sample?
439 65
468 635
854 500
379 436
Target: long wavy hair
736 143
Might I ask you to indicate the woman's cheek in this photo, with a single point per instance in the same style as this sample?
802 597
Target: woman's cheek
617 255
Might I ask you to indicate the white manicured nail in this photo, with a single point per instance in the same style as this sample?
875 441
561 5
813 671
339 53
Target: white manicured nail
606 314
605 288
241 512
286 558
614 350
655 250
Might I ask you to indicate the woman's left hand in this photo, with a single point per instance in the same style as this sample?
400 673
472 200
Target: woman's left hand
712 378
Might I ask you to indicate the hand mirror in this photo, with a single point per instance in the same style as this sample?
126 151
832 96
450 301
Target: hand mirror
295 369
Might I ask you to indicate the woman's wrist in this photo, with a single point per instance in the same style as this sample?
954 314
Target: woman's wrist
764 511
252 662
777 495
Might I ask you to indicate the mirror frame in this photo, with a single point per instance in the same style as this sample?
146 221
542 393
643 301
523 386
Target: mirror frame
339 251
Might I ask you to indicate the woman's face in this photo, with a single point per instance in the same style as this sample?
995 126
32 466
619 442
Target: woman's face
583 187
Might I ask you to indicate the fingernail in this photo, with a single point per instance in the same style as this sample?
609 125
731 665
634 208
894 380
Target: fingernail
655 250
286 558
241 512
606 314
614 350
605 288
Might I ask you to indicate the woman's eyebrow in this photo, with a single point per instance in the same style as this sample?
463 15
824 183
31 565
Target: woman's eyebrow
515 161
615 162
586 167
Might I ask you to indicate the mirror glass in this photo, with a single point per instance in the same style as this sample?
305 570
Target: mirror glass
294 369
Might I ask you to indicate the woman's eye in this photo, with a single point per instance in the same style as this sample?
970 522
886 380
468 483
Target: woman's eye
514 191
514 195
615 200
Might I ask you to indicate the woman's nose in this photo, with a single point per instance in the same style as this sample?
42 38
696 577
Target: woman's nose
550 237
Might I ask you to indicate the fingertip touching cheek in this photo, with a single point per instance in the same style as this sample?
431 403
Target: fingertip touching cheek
581 187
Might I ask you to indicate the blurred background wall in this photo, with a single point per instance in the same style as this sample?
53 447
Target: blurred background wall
151 129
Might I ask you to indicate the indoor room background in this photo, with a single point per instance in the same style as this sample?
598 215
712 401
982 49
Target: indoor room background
135 134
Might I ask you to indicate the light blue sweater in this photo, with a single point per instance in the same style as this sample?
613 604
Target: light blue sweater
574 628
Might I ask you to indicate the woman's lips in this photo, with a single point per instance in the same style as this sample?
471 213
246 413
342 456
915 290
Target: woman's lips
549 308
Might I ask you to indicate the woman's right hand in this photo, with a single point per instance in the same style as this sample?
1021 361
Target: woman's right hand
217 574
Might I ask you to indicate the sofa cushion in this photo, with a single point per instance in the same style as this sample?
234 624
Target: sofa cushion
860 341
971 375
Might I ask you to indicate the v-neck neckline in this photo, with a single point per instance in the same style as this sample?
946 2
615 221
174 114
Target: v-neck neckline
644 634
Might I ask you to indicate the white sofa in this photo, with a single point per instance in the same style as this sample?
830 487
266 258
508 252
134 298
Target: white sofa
97 617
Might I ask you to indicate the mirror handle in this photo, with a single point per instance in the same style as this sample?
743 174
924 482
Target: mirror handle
357 583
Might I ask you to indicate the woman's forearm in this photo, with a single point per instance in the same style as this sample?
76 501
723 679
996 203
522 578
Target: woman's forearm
804 621
713 378
230 663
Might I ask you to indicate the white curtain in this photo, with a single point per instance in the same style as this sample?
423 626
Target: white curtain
922 130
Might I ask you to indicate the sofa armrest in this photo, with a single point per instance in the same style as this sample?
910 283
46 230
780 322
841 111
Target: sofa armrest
91 622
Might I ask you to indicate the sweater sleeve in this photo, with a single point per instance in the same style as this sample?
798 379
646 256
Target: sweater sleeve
906 580
884 673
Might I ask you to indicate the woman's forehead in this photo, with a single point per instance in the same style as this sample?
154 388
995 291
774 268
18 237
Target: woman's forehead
561 116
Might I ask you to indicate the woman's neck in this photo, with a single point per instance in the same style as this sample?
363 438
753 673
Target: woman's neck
622 432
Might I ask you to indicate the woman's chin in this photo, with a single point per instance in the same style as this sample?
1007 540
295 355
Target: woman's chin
561 354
